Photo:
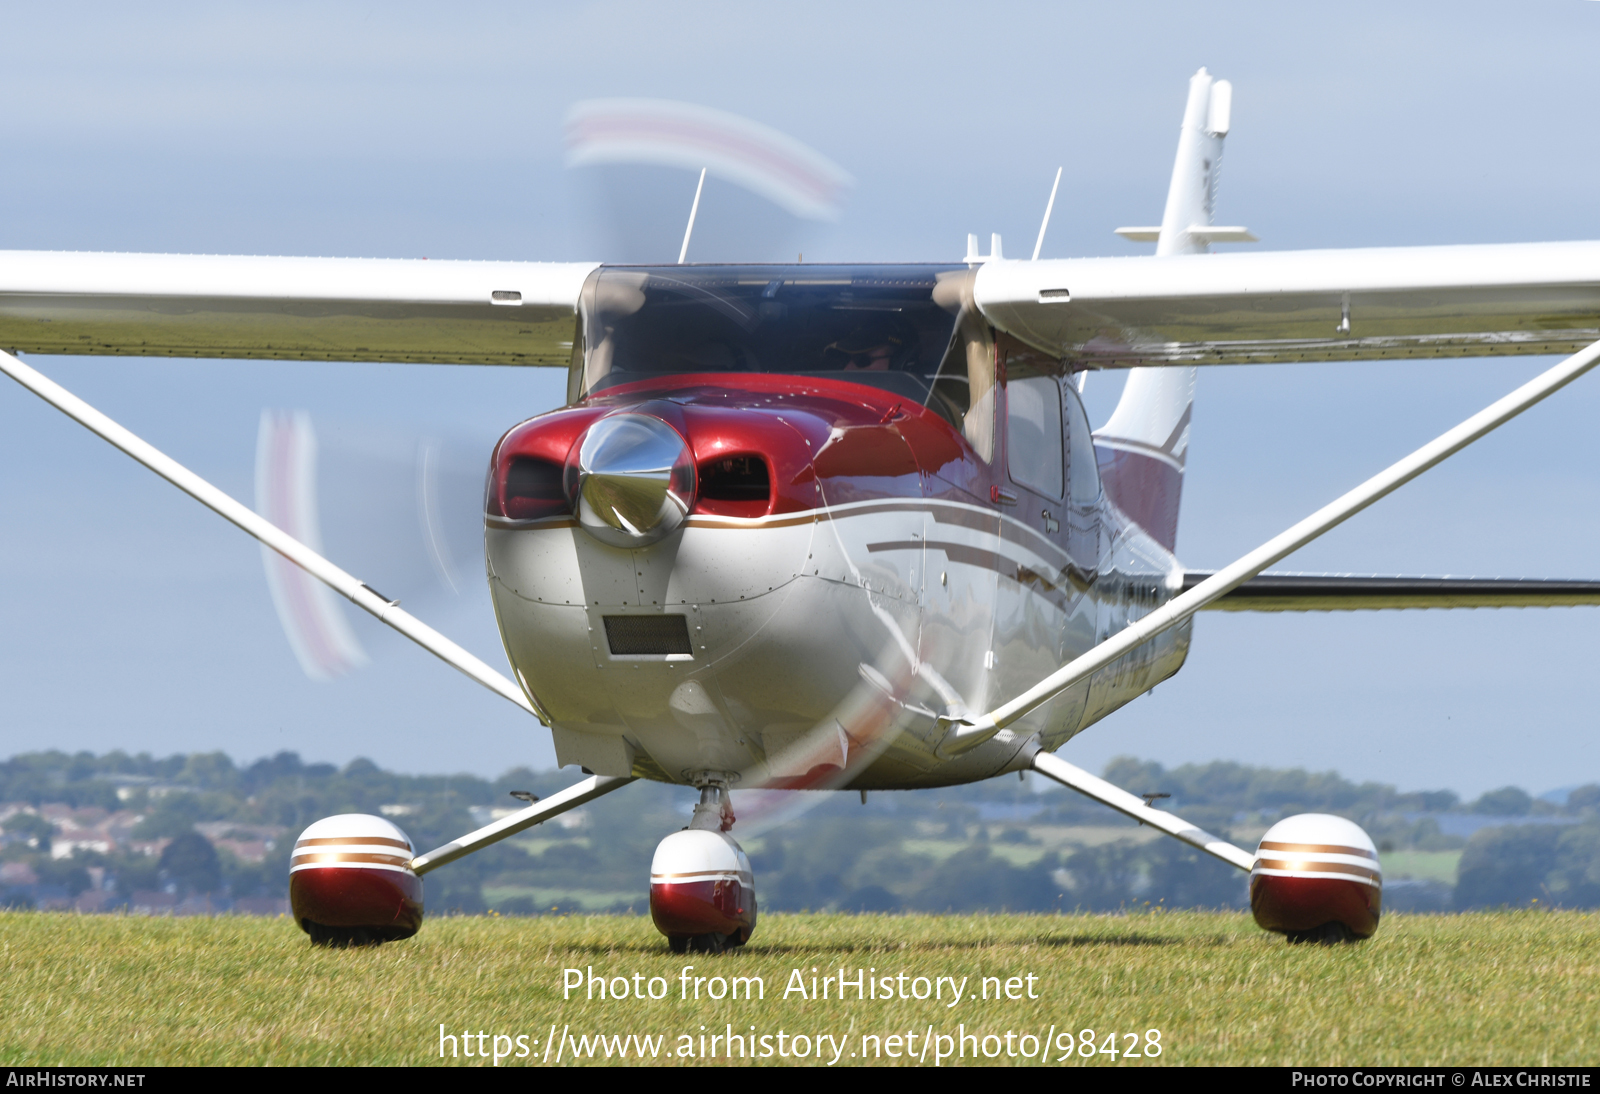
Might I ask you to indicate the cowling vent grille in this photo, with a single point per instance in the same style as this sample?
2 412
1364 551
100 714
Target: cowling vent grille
658 635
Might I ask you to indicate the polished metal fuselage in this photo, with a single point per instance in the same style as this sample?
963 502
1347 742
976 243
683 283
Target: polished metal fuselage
827 643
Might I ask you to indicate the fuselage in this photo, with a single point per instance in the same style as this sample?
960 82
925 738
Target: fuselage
861 557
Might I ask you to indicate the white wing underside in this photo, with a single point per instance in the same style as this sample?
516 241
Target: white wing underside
1357 304
317 309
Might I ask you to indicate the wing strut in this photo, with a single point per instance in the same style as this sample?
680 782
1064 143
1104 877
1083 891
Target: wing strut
964 734
1076 778
268 533
573 796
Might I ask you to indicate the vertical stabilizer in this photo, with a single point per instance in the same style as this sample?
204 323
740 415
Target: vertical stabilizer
1193 191
1141 449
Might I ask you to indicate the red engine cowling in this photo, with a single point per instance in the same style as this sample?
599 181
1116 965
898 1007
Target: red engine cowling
1317 878
702 892
350 882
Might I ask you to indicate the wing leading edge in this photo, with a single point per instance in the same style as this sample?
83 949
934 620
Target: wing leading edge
318 309
1353 592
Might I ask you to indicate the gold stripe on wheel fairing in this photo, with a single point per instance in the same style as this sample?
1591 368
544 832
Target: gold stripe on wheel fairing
1319 849
325 858
352 841
1303 867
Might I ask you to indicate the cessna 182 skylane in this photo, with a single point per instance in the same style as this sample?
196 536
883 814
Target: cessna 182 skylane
842 527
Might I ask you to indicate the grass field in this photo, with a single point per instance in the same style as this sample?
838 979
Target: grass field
1494 988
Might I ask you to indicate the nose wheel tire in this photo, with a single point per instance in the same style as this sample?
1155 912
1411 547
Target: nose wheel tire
1329 934
704 943
339 938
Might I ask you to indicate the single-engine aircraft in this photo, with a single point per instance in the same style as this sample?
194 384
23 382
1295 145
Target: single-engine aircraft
842 527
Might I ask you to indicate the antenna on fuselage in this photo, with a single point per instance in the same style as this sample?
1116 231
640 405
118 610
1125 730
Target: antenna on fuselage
1048 208
683 252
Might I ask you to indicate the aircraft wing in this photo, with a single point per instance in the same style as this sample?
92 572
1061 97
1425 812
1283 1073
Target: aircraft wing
1334 305
1354 304
318 309
1349 592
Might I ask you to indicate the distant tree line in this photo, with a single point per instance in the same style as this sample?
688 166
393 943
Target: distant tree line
1001 844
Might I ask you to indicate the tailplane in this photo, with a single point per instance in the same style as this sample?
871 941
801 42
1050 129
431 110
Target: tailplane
1142 448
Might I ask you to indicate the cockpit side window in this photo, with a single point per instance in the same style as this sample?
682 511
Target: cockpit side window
609 298
1033 434
1033 416
1083 472
963 392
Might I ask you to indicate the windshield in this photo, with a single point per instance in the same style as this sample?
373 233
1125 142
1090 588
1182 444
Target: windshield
892 327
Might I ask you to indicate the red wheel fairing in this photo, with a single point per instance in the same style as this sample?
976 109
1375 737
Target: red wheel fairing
1298 904
701 885
703 907
382 901
1315 872
351 883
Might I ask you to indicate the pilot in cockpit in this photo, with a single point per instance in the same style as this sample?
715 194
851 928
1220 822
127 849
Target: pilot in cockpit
869 347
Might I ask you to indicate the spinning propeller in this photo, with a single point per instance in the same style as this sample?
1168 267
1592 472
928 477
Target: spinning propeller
405 510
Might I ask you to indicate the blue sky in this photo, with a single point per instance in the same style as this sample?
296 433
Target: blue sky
131 618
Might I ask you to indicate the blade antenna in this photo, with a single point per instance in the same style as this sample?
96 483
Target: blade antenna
358 592
683 252
1048 208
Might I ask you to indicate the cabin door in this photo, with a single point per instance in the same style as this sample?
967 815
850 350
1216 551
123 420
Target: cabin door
1035 598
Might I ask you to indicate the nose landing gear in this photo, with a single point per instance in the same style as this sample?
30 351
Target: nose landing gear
702 891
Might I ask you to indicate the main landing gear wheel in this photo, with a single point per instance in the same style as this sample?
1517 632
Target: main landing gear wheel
340 938
1329 934
715 942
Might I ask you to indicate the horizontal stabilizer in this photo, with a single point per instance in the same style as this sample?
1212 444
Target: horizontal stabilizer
1202 233
1209 234
1356 592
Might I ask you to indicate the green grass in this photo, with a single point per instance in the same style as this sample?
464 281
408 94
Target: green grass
1495 988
